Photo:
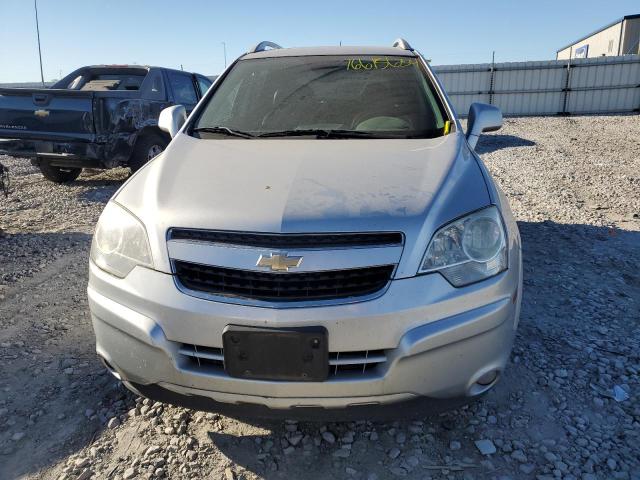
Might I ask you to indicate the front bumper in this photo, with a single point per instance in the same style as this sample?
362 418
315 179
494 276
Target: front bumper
438 341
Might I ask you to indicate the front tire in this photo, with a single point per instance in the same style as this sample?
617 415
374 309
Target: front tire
147 147
59 174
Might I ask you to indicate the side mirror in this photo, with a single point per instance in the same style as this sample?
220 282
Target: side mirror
482 118
172 118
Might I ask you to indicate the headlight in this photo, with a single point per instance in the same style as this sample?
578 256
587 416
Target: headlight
469 249
120 242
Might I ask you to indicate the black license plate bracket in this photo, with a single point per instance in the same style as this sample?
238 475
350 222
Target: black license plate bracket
289 354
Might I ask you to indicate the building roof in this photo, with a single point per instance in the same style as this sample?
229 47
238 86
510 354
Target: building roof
620 20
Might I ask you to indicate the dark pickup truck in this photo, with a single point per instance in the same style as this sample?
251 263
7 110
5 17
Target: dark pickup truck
96 117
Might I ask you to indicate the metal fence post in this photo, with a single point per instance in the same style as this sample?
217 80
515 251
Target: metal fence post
566 89
491 78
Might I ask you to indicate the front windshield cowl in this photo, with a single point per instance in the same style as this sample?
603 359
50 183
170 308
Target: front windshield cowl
324 97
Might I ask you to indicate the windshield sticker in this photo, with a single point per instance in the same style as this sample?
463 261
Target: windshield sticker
379 63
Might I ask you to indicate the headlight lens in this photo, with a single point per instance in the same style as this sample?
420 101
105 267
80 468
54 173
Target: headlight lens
468 250
120 242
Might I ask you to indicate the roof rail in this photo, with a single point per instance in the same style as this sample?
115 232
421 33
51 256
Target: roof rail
262 46
402 43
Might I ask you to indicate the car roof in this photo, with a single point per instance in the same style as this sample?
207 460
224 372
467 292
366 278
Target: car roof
342 50
138 67
123 66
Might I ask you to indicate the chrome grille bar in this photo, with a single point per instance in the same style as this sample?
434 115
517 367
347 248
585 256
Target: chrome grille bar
366 359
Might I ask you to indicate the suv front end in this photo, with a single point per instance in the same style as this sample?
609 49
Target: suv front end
309 275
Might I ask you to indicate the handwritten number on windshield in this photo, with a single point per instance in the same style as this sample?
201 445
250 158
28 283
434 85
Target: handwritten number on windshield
379 63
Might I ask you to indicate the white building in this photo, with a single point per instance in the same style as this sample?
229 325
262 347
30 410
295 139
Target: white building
621 37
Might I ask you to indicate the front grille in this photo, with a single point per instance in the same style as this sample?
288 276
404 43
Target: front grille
283 287
341 364
288 240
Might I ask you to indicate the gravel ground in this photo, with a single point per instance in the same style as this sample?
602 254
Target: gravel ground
567 406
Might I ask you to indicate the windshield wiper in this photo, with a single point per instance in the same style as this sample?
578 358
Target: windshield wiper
318 133
224 131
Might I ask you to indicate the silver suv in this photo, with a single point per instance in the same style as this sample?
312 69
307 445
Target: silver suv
318 237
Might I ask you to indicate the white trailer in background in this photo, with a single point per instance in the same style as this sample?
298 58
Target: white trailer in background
621 37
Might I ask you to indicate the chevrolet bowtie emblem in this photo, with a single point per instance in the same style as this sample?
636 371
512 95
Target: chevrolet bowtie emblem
278 262
41 113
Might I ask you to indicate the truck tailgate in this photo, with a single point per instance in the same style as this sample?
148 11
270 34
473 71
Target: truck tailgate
47 114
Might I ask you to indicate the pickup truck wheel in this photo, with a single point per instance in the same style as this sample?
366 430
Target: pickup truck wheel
59 174
147 147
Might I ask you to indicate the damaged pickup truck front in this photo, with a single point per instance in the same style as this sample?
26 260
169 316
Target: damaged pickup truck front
101 116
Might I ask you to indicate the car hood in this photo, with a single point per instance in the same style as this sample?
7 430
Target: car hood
304 185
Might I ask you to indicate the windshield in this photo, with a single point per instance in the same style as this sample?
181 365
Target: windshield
371 97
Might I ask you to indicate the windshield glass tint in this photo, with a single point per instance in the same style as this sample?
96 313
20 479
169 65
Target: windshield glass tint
379 96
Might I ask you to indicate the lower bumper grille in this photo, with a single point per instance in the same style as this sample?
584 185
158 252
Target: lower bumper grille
283 287
211 360
355 362
203 356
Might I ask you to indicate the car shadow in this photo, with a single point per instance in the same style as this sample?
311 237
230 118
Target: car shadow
99 189
99 177
100 194
491 142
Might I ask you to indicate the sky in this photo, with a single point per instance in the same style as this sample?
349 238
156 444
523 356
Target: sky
188 33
